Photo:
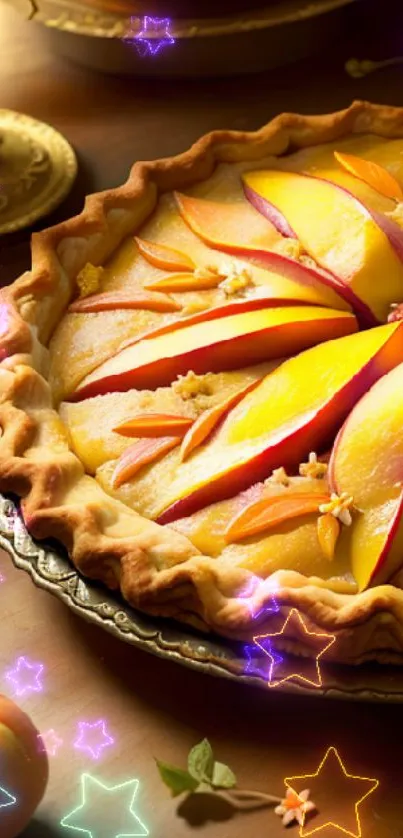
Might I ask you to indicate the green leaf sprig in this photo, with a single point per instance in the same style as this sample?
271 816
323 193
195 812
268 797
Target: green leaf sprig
203 772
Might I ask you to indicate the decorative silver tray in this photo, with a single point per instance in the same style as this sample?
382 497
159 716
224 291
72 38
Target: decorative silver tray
53 571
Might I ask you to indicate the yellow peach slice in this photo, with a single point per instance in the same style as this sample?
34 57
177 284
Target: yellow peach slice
338 232
240 339
209 419
224 226
90 423
292 545
294 410
367 462
162 256
328 529
113 300
154 425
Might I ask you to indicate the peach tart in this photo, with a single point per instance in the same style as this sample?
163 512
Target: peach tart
202 383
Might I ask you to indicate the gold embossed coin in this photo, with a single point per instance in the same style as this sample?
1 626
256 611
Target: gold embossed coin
37 170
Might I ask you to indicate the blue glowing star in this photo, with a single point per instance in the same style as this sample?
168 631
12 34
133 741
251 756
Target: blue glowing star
273 659
266 642
117 819
153 36
6 799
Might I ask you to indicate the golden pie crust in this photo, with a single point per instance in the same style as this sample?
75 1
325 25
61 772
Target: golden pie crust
156 568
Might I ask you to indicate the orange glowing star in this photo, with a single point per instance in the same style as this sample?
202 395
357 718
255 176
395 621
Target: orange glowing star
266 642
333 775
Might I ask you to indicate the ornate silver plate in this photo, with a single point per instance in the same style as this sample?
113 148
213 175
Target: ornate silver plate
53 571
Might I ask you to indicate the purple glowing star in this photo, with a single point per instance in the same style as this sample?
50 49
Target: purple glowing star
153 36
267 594
25 676
273 659
93 744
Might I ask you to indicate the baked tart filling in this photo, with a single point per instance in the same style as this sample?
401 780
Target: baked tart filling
209 367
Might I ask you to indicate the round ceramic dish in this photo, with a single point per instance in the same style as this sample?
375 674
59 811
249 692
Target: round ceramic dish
214 656
246 43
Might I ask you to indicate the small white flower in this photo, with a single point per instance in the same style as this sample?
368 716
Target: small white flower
339 506
294 807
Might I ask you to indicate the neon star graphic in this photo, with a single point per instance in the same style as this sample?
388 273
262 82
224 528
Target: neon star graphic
25 676
153 36
270 606
334 776
251 668
94 818
93 738
6 799
266 643
49 742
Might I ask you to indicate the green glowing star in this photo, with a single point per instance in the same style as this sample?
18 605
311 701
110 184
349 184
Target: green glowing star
6 799
106 811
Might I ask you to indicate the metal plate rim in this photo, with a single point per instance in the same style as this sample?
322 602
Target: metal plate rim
53 572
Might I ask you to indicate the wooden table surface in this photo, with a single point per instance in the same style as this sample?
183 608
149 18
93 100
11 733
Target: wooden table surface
154 708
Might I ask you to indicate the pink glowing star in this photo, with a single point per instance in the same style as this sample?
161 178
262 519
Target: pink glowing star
94 744
25 676
49 742
153 36
2 578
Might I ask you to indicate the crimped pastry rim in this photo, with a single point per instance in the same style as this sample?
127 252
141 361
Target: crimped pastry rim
59 501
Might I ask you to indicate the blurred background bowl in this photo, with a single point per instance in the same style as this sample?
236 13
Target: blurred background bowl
241 42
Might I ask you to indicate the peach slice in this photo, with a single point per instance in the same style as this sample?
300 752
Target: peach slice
328 529
176 283
292 545
259 300
154 425
239 340
112 300
295 409
265 514
231 227
209 419
367 462
140 454
164 257
225 226
361 248
372 173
